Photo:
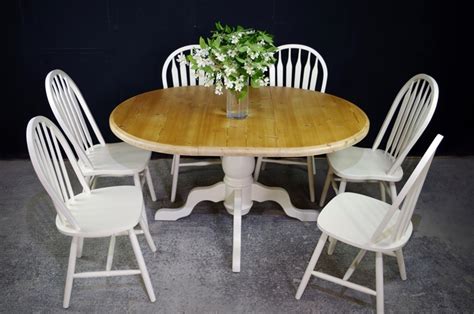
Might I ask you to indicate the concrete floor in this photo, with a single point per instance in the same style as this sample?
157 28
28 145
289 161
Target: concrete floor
191 270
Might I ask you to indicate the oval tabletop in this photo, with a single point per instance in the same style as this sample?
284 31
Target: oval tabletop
282 122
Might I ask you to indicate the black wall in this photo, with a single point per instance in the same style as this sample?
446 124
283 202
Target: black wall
115 49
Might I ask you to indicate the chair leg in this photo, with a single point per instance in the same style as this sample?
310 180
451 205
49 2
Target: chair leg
382 192
70 272
333 242
110 254
80 245
314 165
174 184
401 264
172 165
258 166
149 182
146 232
327 182
137 182
379 281
311 265
342 186
141 265
393 191
354 264
309 161
332 245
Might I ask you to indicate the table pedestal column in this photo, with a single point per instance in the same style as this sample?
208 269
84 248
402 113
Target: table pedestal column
237 190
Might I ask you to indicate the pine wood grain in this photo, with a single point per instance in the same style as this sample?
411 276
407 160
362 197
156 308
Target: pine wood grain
282 122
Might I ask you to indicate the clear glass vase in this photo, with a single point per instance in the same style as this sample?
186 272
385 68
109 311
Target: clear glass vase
237 108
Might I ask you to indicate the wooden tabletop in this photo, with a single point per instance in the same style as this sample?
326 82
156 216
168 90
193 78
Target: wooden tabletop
282 122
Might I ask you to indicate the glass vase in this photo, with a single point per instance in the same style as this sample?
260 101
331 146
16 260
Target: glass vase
237 108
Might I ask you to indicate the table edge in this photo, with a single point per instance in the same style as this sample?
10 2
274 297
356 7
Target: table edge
239 151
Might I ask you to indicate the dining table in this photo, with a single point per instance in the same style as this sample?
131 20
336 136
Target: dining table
282 122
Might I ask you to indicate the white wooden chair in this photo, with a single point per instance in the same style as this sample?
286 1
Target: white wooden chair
370 225
105 212
414 107
313 75
101 159
181 74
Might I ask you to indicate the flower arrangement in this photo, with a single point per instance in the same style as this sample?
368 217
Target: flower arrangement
233 57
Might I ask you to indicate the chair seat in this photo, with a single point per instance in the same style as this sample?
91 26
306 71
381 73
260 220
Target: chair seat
353 218
104 212
356 163
115 159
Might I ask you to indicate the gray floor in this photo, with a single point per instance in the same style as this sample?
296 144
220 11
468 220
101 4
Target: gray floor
191 271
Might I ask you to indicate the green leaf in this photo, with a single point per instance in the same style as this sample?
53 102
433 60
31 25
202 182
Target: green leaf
219 26
190 58
208 69
254 83
202 43
217 42
243 93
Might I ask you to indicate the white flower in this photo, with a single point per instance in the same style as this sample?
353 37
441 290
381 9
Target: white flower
234 39
232 53
262 68
201 52
249 69
267 56
229 70
254 55
238 86
228 83
218 89
219 56
263 82
201 62
181 59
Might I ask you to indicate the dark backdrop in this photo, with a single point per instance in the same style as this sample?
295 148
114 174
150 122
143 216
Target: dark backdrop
115 49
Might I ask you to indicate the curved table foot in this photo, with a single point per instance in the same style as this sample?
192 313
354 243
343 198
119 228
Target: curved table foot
262 193
214 193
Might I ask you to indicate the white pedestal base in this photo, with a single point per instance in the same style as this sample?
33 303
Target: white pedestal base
237 191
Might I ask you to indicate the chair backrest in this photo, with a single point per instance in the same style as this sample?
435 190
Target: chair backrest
416 103
46 145
69 108
313 75
185 75
408 196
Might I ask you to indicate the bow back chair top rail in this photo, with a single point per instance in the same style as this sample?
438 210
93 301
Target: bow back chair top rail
105 212
297 66
182 76
370 225
409 115
76 120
